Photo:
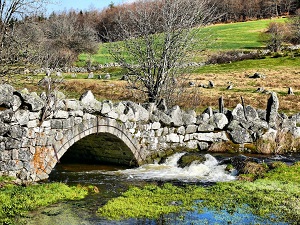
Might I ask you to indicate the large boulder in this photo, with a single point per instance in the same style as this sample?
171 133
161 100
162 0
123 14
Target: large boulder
272 110
189 158
4 128
238 113
6 116
31 100
140 113
6 97
89 103
251 113
239 134
72 105
160 116
219 121
176 115
189 117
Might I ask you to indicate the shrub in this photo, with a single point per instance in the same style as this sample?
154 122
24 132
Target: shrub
232 56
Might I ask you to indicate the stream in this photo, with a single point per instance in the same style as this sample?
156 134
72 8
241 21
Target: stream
112 180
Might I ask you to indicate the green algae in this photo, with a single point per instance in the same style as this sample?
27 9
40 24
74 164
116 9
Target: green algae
275 197
16 201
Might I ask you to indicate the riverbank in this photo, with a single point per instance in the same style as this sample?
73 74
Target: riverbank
16 201
273 196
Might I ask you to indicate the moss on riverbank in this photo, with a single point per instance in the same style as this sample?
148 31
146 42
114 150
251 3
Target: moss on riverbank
276 197
16 201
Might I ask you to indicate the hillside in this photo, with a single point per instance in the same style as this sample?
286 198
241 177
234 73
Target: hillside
281 72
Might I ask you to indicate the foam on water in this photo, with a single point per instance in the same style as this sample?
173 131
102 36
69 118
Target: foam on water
209 171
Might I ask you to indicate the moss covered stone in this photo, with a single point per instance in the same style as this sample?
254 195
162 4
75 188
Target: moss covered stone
189 158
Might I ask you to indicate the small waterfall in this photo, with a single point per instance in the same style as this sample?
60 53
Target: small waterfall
208 171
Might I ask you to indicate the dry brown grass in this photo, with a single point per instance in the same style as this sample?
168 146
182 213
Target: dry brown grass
199 98
278 81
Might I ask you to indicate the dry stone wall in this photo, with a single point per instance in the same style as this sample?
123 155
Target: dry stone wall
30 146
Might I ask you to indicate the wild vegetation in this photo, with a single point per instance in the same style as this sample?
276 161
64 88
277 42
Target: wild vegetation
16 201
274 196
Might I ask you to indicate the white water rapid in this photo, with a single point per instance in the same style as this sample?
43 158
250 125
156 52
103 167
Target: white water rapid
208 171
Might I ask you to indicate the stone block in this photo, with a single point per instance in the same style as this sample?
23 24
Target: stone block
57 124
210 137
240 135
61 114
32 123
205 127
25 154
203 146
77 113
22 117
191 129
123 118
12 143
156 126
112 114
4 128
46 123
77 120
16 103
5 155
187 137
68 123
34 115
106 107
72 105
174 138
181 130
26 142
219 121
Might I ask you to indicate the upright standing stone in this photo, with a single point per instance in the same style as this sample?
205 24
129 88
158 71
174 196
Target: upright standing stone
211 84
221 105
290 91
272 110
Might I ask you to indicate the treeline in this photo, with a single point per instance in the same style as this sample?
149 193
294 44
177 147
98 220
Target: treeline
58 39
55 41
225 11
241 10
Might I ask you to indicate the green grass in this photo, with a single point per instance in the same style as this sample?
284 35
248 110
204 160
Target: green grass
234 36
266 63
101 57
16 201
277 194
240 36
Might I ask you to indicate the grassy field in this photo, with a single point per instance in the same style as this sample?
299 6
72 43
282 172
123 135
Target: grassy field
234 36
282 72
240 36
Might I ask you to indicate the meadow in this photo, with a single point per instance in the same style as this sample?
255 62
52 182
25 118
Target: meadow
281 71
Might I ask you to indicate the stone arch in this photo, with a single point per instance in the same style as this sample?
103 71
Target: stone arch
76 133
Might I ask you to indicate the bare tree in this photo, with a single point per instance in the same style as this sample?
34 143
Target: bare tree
157 36
12 49
277 34
295 29
65 37
12 10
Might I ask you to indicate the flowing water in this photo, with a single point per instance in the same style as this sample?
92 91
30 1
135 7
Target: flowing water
113 180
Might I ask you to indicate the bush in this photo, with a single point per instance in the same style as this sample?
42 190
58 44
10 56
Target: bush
232 56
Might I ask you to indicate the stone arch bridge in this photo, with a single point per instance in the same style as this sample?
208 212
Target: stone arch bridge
34 137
